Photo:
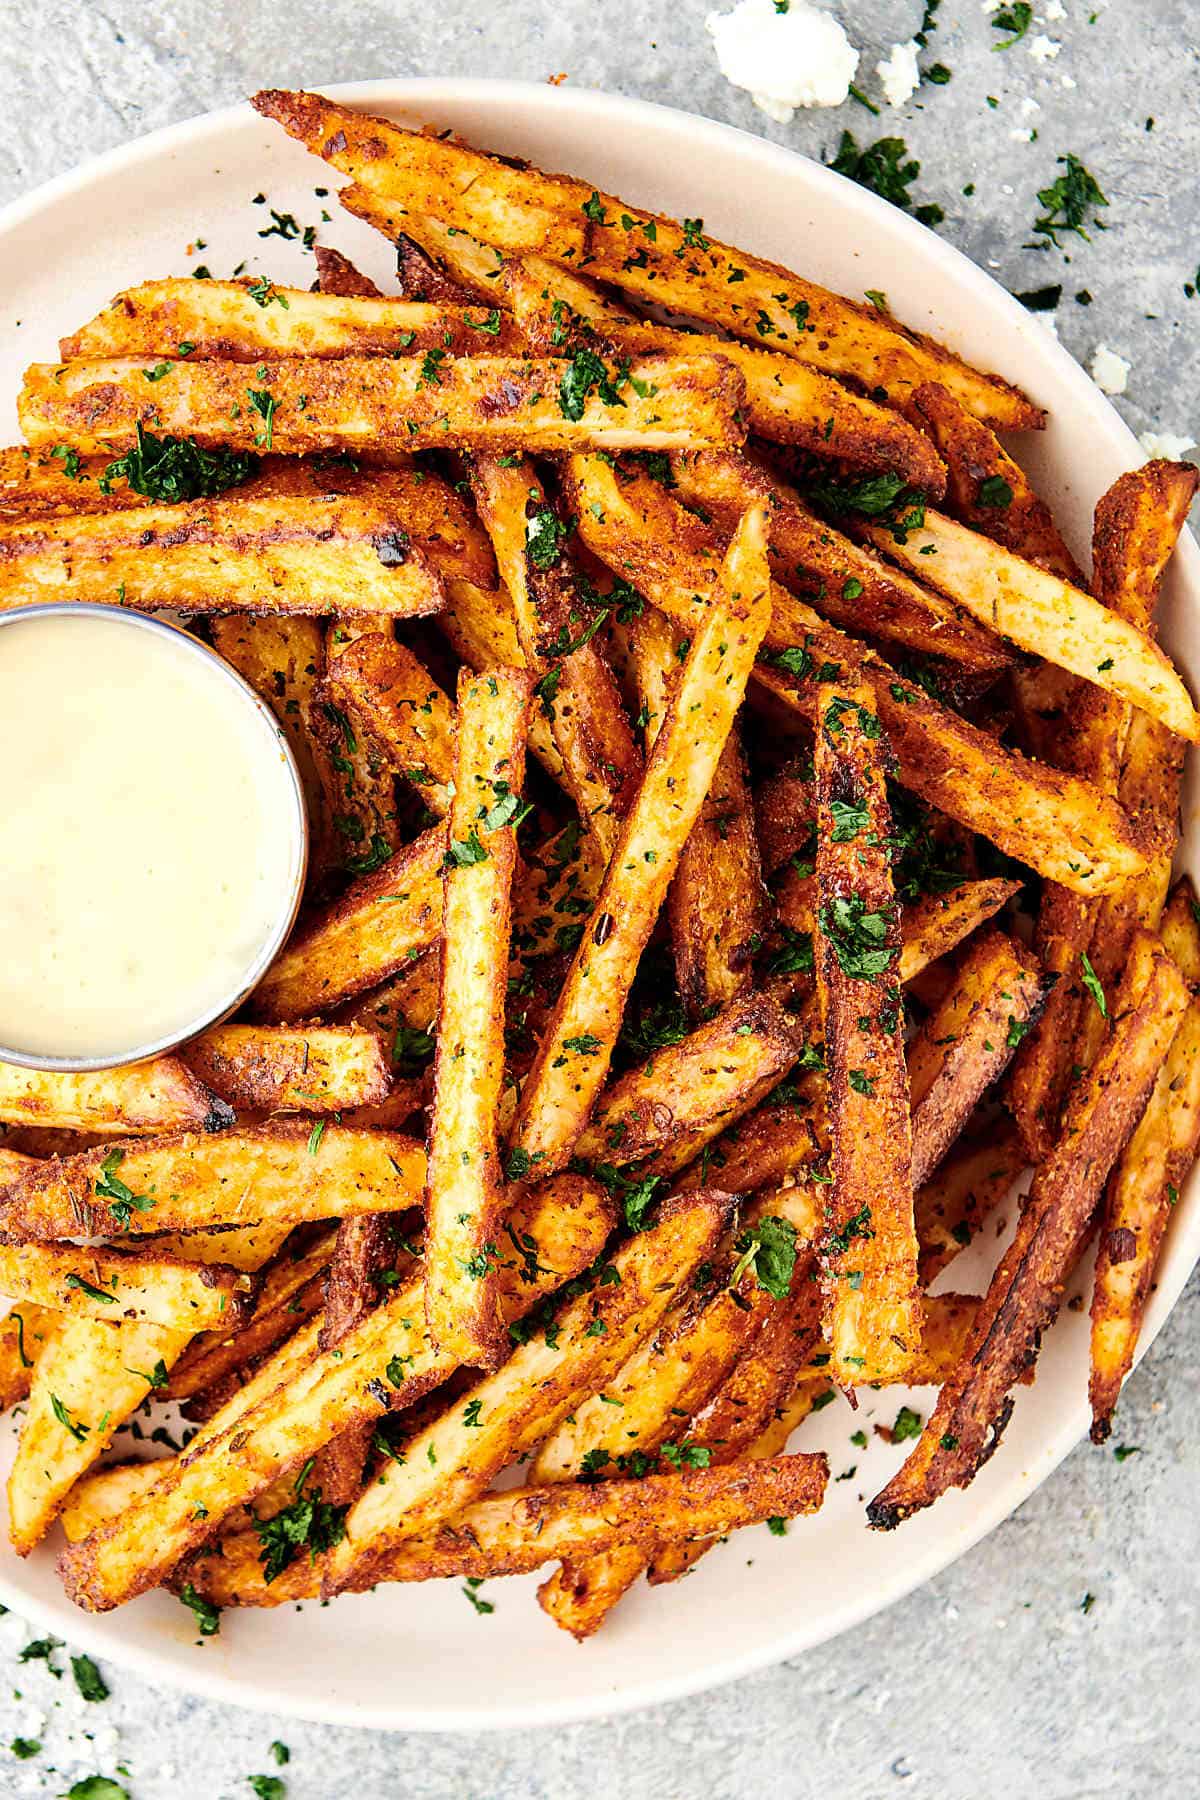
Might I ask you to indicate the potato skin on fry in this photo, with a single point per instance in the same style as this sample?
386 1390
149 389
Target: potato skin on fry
319 1068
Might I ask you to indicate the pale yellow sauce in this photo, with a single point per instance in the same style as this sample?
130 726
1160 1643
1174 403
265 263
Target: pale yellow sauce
148 838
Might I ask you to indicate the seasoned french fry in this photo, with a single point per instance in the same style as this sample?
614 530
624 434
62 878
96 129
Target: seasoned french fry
139 1100
974 1179
946 1321
366 403
297 553
967 1043
456 1457
182 1182
34 486
383 921
24 1331
319 1068
256 321
785 811
283 1418
1042 613
85 1384
463 1303
938 923
403 710
580 1036
1145 1184
716 1073
846 582
871 1246
291 1292
102 1496
110 1284
1026 1290
361 788
522 211
365 1258
515 1532
1062 826
450 271
336 274
578 694
787 402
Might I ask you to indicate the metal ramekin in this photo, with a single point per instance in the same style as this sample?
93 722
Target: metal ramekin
289 902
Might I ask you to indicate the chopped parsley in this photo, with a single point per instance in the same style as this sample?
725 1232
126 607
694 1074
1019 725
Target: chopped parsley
859 937
994 491
1015 19
207 1616
171 469
88 1679
1091 982
309 1523
769 1249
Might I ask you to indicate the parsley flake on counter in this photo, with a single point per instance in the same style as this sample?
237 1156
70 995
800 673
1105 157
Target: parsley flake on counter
1068 201
887 169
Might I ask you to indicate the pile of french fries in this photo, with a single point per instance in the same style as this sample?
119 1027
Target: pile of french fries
741 849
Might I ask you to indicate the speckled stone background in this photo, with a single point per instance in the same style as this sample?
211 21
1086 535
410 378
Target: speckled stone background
1060 1658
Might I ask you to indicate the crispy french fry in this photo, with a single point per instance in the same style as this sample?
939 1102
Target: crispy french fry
140 1100
291 1292
938 923
318 1068
361 788
576 689
452 271
456 1457
359 403
336 274
24 1331
946 1321
103 1495
111 1284
1062 826
183 1182
383 921
85 1384
1042 613
787 402
36 486
716 1073
577 1047
846 582
1145 1185
463 1303
871 1246
1026 1290
967 1043
403 710
973 1179
785 812
522 211
283 1418
256 321
297 553
515 1532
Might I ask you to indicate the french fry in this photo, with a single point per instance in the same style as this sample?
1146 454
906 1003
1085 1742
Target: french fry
515 1532
34 486
946 1321
576 689
971 1182
364 1256
456 1457
282 658
278 1068
282 1418
184 1182
1063 827
871 1246
361 788
967 1043
938 923
785 813
522 211
110 1284
85 1384
1144 1187
336 274
257 321
463 1304
453 271
383 921
291 1292
481 630
787 402
299 553
580 1036
716 1073
101 1496
139 1100
1025 1292
1042 613
405 713
24 1331
383 404
986 488
846 582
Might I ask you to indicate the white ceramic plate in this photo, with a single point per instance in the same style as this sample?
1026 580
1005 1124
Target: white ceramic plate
420 1658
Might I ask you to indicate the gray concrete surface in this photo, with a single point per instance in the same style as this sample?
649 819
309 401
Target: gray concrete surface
993 1680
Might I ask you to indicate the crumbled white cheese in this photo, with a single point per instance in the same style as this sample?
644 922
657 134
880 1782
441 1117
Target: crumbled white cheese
1043 49
1109 371
1166 444
1055 10
1029 106
1021 134
799 57
899 73
1069 82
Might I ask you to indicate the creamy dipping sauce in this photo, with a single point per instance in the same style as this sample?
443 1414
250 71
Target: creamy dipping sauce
151 837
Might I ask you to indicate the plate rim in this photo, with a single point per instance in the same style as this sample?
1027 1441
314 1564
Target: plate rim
86 1629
